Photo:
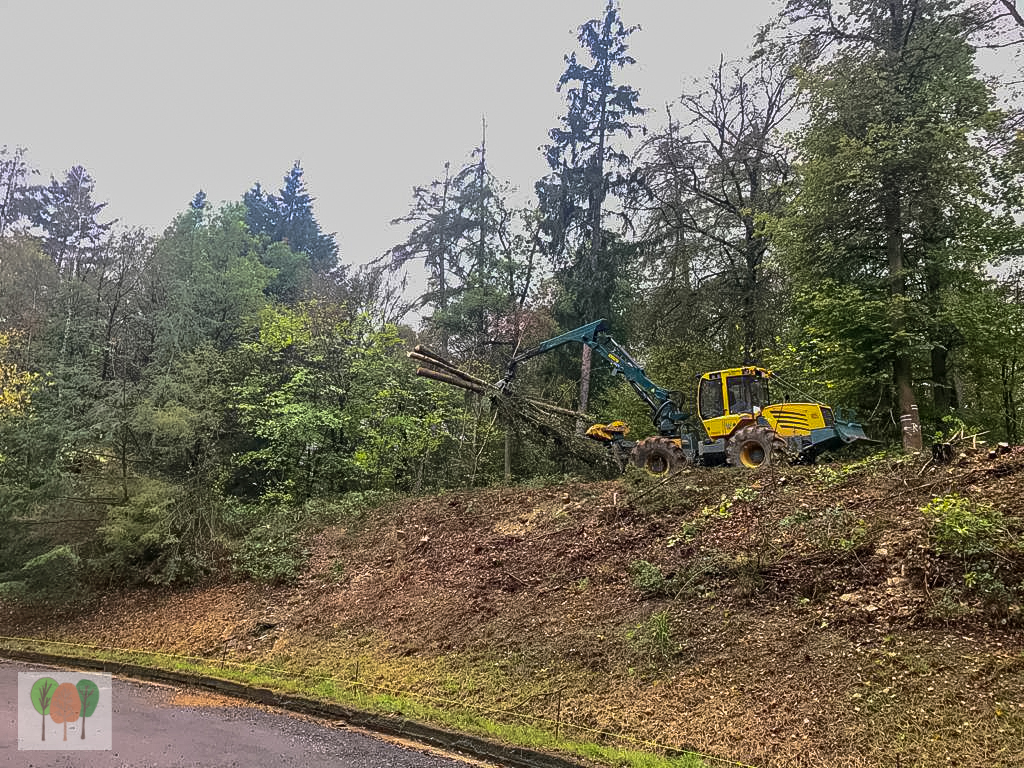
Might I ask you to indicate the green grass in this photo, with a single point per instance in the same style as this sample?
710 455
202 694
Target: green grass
530 731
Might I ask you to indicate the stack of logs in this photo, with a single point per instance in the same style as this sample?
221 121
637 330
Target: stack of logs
444 371
546 418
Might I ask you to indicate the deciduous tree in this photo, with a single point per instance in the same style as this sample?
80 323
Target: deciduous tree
709 179
893 216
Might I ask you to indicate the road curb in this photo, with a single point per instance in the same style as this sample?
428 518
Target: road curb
517 757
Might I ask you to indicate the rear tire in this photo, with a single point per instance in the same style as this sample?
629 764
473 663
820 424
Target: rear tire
658 456
755 446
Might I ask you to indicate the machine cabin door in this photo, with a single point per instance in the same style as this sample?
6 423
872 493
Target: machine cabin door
711 404
727 398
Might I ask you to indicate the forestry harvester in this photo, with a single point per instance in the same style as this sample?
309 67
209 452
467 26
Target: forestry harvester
739 424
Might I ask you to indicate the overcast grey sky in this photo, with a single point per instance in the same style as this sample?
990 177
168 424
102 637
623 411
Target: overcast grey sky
160 99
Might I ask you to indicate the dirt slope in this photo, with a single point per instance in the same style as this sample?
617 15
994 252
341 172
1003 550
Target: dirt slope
806 616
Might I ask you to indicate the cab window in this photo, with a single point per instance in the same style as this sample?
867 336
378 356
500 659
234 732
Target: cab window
746 393
710 399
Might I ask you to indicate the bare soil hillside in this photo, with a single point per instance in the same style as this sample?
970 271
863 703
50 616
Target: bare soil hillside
806 616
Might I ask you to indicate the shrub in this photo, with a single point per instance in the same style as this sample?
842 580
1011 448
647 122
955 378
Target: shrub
52 577
351 507
269 547
648 578
963 527
834 529
271 554
164 534
974 532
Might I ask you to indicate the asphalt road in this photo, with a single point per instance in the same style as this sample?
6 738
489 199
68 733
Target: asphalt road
156 726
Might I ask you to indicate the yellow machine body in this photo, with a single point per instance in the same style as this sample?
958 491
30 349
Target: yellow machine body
732 398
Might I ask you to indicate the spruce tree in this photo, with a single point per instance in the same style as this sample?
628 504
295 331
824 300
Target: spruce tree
288 217
588 164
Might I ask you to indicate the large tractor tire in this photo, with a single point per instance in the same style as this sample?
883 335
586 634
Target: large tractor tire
755 446
658 455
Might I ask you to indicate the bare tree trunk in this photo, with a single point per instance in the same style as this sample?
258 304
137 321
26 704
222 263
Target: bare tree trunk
508 452
596 245
943 394
910 419
902 375
584 387
1009 387
442 300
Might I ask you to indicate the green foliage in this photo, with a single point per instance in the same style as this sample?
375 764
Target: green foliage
293 274
212 282
588 163
136 536
963 527
270 554
648 578
711 180
831 529
270 547
984 580
14 591
54 577
652 639
334 405
888 235
337 571
288 218
974 533
351 507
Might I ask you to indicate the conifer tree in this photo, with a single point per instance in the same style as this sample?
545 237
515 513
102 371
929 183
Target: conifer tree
67 215
588 164
288 217
14 190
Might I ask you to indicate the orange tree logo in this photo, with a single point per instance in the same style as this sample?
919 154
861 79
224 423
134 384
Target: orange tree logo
64 701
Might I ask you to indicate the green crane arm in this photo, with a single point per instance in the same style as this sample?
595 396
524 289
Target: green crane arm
664 411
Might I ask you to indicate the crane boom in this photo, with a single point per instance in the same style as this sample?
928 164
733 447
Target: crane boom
665 412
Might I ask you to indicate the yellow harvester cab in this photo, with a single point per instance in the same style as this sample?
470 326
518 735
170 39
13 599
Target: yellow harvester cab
730 399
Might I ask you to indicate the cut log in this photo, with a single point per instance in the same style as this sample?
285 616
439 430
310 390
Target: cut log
448 378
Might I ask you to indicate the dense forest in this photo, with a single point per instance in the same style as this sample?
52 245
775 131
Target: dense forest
843 206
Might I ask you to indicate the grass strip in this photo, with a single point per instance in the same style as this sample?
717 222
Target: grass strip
540 735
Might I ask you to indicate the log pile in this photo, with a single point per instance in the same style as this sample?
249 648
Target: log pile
514 410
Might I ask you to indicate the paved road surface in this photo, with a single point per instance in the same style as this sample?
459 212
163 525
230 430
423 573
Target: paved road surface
161 727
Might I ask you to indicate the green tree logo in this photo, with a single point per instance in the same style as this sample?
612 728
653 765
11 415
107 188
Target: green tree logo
42 694
89 694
